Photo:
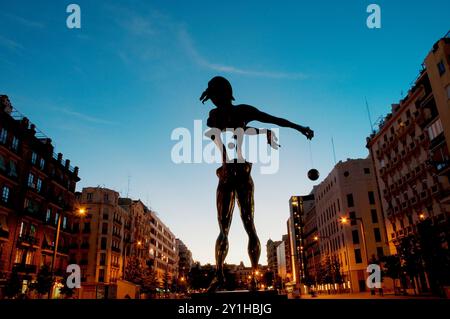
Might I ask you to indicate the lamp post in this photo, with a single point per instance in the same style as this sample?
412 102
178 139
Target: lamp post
344 221
80 212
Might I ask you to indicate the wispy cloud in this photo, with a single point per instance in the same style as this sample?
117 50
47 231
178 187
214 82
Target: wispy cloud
24 21
154 23
10 44
84 117
191 50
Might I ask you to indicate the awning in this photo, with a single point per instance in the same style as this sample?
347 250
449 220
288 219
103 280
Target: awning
4 223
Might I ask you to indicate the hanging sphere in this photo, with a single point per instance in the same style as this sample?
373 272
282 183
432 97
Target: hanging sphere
313 174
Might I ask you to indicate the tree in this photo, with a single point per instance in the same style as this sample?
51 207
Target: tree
149 281
134 271
433 239
13 285
392 267
166 280
44 281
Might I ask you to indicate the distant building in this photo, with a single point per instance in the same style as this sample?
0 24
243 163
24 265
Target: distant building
312 250
114 231
37 192
185 261
350 191
284 260
102 236
158 247
298 205
271 249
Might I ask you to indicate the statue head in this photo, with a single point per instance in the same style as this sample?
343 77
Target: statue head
219 91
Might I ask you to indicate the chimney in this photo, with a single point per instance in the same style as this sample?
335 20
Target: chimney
67 164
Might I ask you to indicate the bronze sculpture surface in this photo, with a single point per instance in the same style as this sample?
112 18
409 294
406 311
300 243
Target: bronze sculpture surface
235 182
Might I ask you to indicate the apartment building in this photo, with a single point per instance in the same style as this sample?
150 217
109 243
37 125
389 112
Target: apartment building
37 194
350 227
102 235
185 260
271 249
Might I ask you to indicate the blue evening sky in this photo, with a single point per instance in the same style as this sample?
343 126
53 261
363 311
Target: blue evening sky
110 94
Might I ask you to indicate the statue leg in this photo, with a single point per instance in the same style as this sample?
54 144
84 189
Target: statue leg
225 205
245 194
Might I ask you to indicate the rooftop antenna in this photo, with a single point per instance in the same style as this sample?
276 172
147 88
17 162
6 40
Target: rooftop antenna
368 114
334 151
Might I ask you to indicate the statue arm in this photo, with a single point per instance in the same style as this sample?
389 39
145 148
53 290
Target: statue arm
253 114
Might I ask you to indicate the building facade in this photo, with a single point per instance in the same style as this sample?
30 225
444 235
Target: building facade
37 195
102 234
410 152
158 245
350 227
185 260
271 249
298 206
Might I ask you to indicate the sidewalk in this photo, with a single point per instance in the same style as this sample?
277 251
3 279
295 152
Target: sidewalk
364 295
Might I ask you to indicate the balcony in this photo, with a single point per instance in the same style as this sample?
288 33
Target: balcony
117 250
26 239
28 269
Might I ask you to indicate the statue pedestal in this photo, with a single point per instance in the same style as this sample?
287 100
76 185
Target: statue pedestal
240 296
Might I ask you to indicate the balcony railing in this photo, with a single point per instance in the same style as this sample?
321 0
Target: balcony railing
21 267
28 239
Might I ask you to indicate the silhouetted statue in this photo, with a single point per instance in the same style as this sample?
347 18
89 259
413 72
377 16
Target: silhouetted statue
235 181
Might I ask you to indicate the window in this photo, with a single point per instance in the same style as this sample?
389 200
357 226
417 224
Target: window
32 231
48 215
374 214
352 216
435 129
105 228
441 67
101 275
56 218
410 219
31 180
3 136
366 170
12 168
29 258
89 196
39 184
5 194
102 259
358 258
355 237
103 243
22 229
350 202
377 234
33 158
64 223
19 255
15 144
106 197
371 198
42 163
380 252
